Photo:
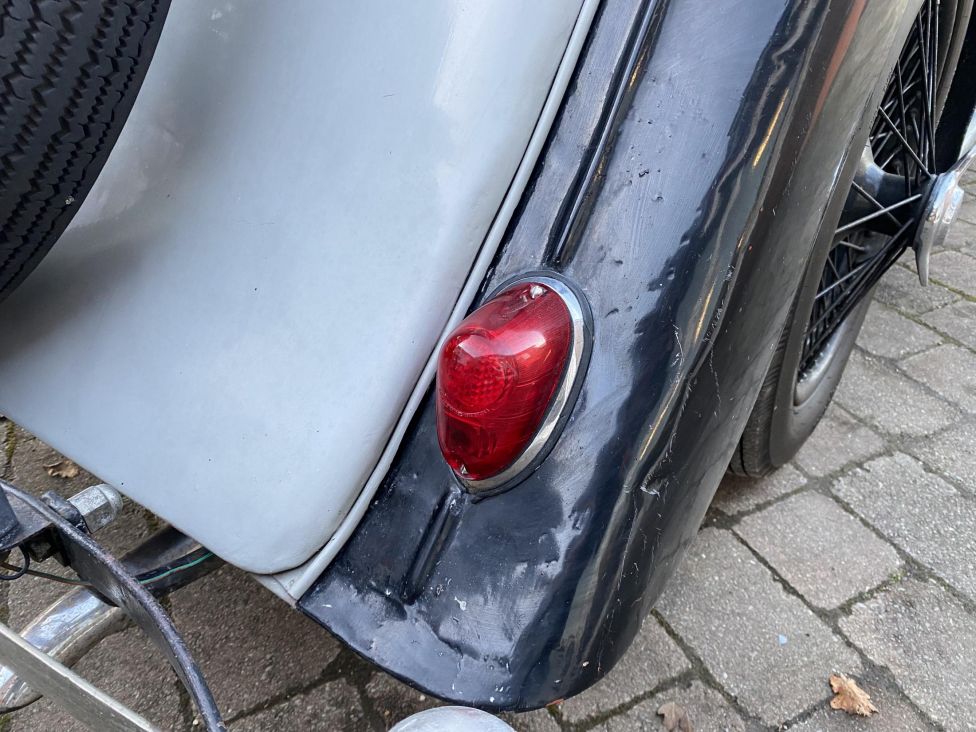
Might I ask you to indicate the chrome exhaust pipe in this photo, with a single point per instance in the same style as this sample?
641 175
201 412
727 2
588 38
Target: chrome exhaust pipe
66 631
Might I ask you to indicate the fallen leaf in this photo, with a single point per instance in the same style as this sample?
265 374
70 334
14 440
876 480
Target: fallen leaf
675 717
850 697
63 468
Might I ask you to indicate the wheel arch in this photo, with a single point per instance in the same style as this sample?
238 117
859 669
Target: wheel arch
683 199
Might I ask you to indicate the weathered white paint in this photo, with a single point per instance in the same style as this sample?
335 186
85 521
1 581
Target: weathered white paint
233 324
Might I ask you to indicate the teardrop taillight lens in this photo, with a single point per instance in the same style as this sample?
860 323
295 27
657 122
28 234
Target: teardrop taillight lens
499 373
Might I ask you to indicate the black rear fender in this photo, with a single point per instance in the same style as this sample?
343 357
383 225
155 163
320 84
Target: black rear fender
683 189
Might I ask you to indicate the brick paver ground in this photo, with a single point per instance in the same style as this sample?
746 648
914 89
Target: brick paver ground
858 558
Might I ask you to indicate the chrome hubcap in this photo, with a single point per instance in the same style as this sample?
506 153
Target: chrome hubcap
941 209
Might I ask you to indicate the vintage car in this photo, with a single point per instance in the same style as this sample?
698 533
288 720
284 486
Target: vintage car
442 319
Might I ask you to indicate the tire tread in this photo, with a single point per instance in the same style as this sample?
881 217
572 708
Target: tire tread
69 74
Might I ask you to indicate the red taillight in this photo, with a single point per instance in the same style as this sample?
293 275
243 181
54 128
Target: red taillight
498 374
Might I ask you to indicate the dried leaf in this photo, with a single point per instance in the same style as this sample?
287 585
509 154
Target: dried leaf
850 697
63 468
675 717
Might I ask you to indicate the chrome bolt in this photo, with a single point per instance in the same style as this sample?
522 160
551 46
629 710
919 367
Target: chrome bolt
99 505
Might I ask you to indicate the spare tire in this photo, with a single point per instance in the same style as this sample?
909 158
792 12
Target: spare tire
69 74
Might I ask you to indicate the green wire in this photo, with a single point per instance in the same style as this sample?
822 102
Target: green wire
82 583
180 568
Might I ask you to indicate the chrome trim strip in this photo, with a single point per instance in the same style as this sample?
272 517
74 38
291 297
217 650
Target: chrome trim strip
547 430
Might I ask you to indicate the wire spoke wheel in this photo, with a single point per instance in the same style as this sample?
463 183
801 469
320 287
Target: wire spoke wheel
900 190
891 184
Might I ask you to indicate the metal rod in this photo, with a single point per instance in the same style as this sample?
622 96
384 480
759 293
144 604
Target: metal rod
904 142
876 202
876 214
84 701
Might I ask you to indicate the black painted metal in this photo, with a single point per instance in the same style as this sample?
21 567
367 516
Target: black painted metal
30 526
683 188
9 523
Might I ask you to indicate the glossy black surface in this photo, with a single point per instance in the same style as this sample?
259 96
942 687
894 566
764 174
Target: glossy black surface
682 189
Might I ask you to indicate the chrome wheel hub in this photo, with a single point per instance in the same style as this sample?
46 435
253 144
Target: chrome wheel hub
939 213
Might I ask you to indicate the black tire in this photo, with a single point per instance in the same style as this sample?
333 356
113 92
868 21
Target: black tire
785 414
777 427
69 74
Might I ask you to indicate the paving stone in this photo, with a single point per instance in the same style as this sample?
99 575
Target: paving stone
900 289
837 441
820 549
895 714
394 700
706 708
43 715
333 706
736 494
538 721
954 270
962 234
28 458
888 334
765 647
928 640
948 370
125 666
889 400
967 211
957 320
652 658
918 511
967 214
250 645
951 453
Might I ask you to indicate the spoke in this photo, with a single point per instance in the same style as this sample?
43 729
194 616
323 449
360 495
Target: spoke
875 201
902 112
850 275
851 245
925 40
935 80
833 305
904 142
870 272
833 266
888 159
917 132
886 210
881 139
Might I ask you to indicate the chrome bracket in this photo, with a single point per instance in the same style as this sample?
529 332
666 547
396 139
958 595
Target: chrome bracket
83 700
